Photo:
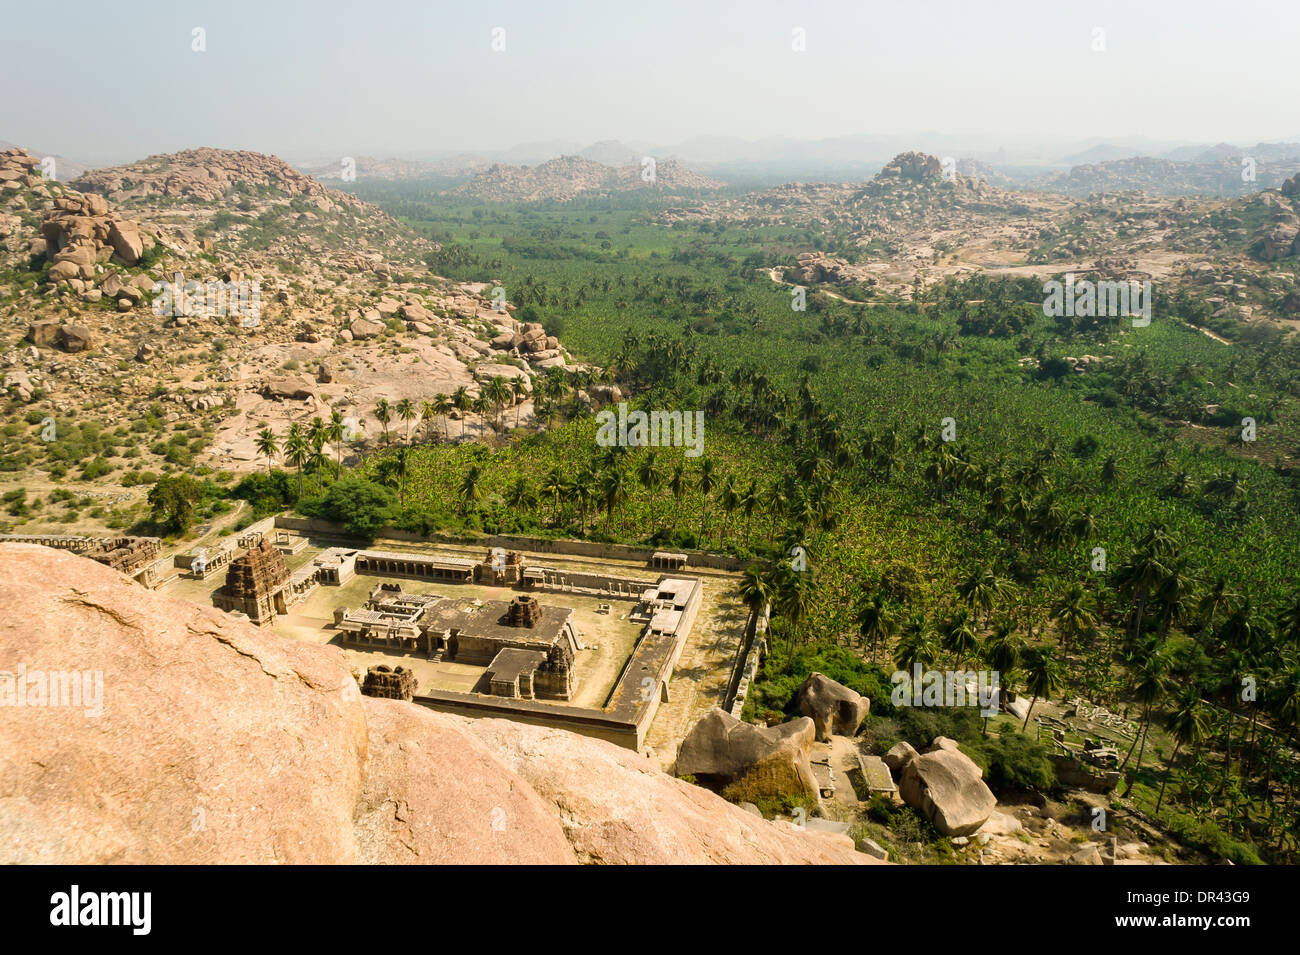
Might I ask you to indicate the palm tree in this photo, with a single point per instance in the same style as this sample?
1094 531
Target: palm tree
958 637
1148 663
613 492
755 588
462 402
876 622
707 482
1143 571
481 406
471 488
267 447
1075 612
1190 724
584 487
749 503
334 432
400 471
918 645
317 435
406 411
982 589
498 393
793 601
729 500
442 408
427 413
650 474
297 451
677 487
384 414
1043 677
520 390
521 497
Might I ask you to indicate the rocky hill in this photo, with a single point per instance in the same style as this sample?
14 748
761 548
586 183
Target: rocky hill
208 175
911 226
216 742
339 310
1214 175
571 176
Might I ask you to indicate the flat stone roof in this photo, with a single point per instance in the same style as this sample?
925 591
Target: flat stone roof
512 662
485 621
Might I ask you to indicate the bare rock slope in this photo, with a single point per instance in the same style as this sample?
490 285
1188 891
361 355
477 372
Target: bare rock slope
222 743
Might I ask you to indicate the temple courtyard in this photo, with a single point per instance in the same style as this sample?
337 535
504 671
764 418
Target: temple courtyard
630 650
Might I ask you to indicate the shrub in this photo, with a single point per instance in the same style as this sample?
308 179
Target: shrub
362 506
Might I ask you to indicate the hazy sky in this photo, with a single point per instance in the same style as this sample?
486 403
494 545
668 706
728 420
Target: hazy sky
109 81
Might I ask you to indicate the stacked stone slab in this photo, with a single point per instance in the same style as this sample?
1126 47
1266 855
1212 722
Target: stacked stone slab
388 683
253 582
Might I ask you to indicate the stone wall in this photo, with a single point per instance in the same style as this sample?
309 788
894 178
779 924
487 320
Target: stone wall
540 545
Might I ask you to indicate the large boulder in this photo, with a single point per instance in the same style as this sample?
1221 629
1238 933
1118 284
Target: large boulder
748 762
946 787
124 235
899 756
43 332
76 338
364 328
292 387
833 707
63 272
205 739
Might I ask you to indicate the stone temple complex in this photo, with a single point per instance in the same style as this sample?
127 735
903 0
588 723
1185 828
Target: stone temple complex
255 584
517 655
529 646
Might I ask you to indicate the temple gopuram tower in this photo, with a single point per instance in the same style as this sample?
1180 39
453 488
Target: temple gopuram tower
255 584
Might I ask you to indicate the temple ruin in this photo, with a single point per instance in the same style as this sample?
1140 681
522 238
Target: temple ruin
474 633
389 683
255 584
132 556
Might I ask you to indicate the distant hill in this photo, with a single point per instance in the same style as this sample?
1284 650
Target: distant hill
1219 174
571 176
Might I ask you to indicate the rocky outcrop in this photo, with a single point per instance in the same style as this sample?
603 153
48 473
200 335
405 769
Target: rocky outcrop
747 762
947 787
80 233
912 165
832 707
213 742
208 175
